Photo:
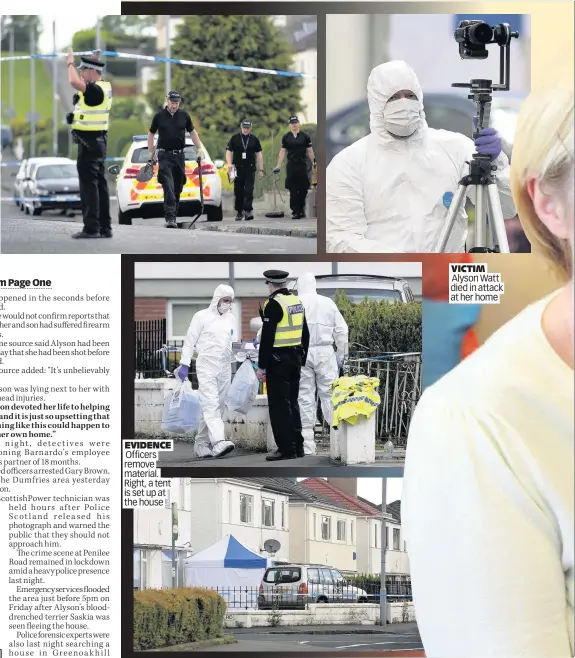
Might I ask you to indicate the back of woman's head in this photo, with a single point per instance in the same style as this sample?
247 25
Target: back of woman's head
543 157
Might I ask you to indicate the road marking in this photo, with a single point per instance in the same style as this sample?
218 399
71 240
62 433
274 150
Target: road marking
352 646
306 642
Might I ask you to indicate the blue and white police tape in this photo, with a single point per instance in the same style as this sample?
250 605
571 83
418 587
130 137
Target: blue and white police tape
171 60
17 163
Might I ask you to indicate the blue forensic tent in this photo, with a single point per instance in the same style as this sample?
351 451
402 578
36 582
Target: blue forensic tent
227 566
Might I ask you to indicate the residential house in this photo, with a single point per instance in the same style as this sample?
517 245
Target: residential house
208 509
368 534
322 531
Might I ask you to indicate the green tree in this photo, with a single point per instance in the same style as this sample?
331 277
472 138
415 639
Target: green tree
219 99
128 108
22 26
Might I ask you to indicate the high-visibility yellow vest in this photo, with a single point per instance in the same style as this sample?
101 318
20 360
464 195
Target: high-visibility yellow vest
290 327
96 117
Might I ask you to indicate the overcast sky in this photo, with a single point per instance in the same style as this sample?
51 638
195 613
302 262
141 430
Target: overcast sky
66 25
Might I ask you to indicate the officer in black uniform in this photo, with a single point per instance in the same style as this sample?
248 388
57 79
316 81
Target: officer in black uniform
242 151
171 124
297 145
90 122
283 349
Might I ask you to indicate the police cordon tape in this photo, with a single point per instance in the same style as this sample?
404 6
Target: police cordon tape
171 60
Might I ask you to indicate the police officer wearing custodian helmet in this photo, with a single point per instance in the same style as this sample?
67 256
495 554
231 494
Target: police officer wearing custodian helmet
283 350
90 121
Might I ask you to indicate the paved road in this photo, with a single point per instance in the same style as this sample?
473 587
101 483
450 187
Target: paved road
50 233
183 455
388 643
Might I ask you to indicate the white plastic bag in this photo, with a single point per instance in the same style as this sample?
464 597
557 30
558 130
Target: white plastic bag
182 411
243 389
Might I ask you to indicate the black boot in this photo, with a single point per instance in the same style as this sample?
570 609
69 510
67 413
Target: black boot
249 215
239 216
170 223
278 456
106 232
83 235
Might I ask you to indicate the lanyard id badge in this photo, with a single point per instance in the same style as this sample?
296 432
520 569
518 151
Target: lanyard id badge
245 145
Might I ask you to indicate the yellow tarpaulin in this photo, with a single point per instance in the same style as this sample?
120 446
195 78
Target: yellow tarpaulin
353 398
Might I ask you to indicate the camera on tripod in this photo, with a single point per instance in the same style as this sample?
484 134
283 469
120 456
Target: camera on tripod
474 36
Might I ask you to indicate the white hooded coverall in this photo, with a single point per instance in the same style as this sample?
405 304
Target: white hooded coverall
389 194
326 327
210 335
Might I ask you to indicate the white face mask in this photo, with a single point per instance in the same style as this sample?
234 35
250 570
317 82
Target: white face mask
224 307
401 117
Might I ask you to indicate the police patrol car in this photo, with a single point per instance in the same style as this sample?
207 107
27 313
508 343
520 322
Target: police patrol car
145 200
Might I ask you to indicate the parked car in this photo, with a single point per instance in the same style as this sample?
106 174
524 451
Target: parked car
7 137
24 172
145 200
357 287
295 585
446 111
52 184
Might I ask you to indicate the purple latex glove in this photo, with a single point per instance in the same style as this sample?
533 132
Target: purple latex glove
182 372
488 143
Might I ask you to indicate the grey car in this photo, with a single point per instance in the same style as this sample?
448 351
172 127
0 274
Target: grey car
296 585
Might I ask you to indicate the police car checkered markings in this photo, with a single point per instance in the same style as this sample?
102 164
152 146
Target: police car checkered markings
356 398
294 310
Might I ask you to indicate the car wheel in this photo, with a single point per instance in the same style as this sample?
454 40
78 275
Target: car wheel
214 213
124 218
36 211
322 599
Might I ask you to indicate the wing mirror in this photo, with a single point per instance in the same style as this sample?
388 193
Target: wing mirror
114 170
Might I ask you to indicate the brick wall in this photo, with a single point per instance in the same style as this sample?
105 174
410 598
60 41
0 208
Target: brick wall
147 308
250 306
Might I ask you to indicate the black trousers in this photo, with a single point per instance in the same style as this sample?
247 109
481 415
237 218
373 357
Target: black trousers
94 192
282 380
297 182
244 189
172 178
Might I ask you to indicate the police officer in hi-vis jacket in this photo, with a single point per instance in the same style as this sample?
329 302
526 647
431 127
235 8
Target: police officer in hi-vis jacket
282 352
90 121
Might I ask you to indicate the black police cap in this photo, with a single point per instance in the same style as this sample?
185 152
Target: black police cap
276 276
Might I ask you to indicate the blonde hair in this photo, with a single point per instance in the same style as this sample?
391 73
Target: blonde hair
543 148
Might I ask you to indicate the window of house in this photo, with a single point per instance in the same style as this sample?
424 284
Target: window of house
375 534
140 568
246 508
180 314
183 494
314 521
396 539
351 531
341 530
283 516
229 506
268 508
326 527
169 497
404 547
386 538
167 569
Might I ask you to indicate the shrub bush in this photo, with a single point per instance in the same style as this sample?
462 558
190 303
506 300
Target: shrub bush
167 617
381 326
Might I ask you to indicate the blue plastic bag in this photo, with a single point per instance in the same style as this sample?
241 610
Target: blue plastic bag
182 411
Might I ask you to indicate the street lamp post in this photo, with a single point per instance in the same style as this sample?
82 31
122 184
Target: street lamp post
54 93
168 55
383 543
32 91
